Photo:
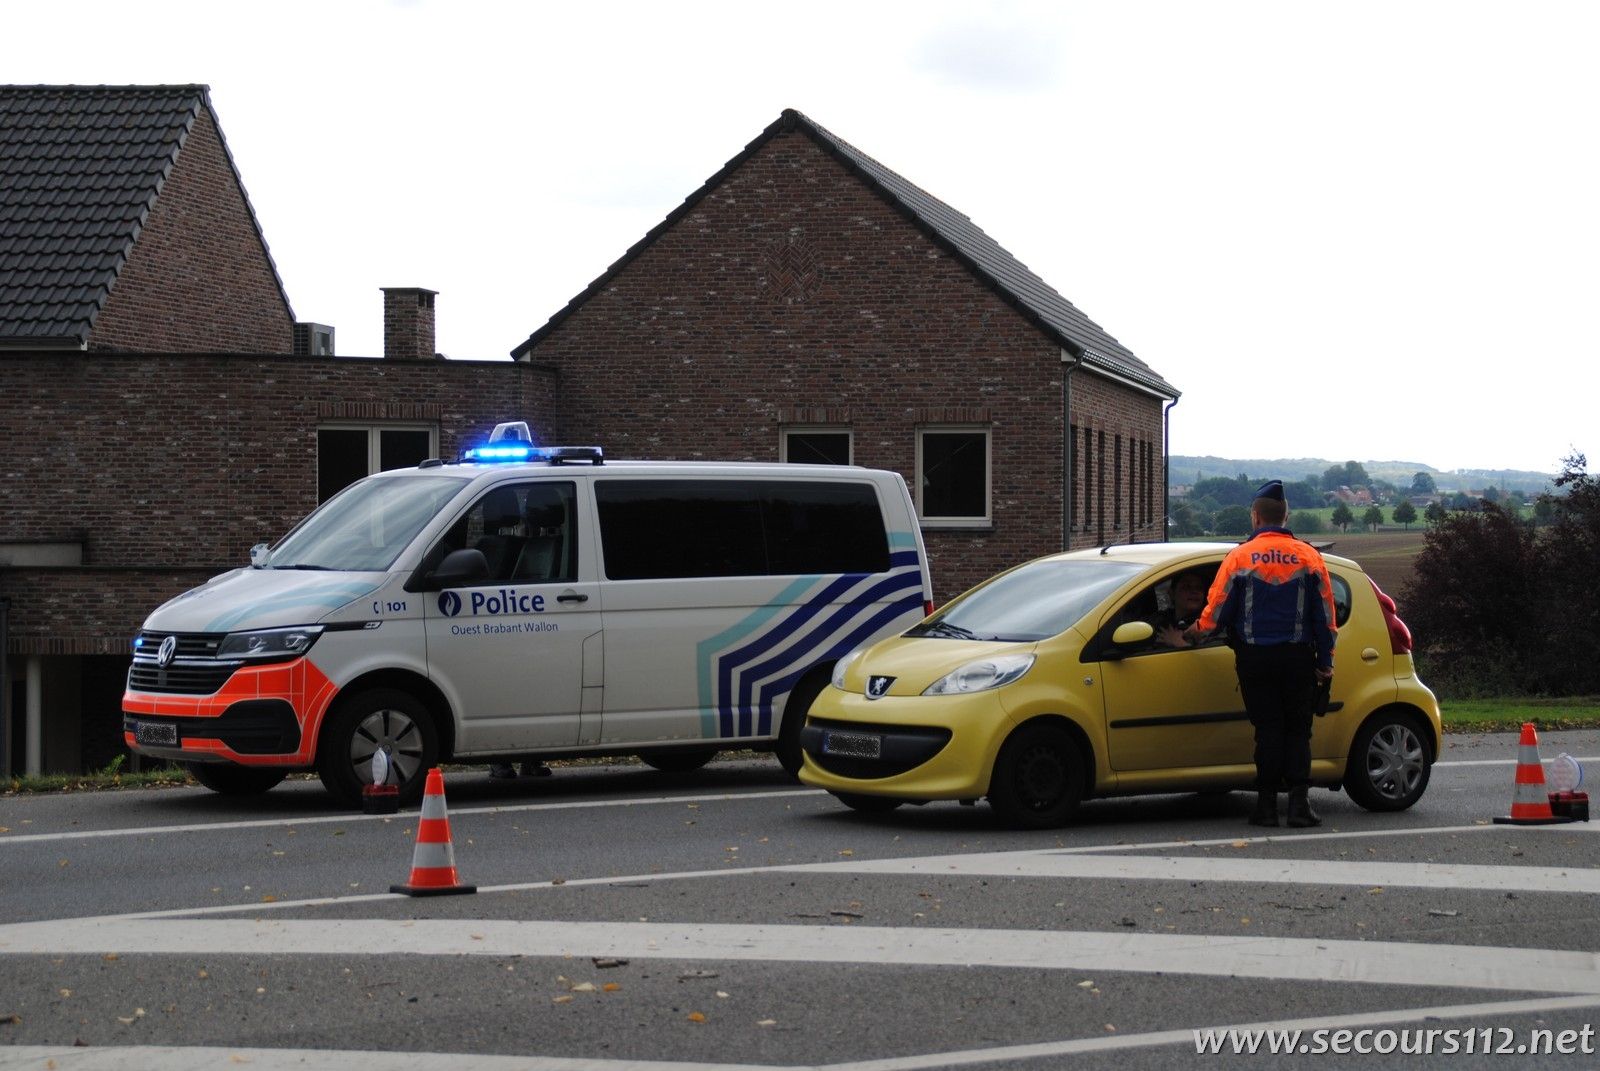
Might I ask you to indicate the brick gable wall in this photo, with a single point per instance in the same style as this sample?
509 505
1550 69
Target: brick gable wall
168 468
791 293
198 278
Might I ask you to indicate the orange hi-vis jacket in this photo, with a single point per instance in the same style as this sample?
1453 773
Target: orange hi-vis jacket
1274 589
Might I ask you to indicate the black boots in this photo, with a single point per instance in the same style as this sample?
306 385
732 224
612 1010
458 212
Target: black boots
1300 815
1266 812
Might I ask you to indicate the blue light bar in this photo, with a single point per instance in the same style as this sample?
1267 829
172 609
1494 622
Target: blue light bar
503 451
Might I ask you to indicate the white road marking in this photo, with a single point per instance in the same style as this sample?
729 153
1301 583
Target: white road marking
409 816
1246 870
1307 959
120 1058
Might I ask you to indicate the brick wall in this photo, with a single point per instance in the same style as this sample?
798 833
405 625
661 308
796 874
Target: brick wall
198 279
168 468
408 322
792 293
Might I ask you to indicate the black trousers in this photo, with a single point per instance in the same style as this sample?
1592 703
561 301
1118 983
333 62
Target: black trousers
1277 684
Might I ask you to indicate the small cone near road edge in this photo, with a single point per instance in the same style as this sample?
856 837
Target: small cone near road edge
433 865
1530 802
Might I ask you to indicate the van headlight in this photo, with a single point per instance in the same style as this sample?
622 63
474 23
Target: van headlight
269 643
841 667
982 675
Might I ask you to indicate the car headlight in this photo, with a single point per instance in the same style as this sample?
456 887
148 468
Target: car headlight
843 665
269 643
982 675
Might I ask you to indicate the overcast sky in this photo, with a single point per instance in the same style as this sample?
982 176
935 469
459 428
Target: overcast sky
1355 230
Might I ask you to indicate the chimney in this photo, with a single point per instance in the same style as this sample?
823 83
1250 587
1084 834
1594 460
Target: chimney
408 323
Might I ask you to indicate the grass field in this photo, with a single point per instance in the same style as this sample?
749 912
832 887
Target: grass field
1387 556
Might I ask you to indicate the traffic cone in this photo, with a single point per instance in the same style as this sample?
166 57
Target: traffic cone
433 865
1530 803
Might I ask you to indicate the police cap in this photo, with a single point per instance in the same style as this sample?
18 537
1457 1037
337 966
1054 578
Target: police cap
1271 489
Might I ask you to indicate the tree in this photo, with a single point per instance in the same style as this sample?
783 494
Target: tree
1405 512
1491 494
1544 510
1372 518
1436 512
1342 517
1232 520
1303 523
1422 484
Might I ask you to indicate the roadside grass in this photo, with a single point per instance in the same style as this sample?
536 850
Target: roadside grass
1508 715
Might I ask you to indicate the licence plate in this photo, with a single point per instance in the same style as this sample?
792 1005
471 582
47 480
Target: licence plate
156 732
853 745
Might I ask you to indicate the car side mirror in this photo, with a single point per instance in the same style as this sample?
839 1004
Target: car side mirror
1133 633
460 569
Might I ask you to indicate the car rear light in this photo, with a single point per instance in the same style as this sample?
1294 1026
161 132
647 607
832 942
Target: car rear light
1399 635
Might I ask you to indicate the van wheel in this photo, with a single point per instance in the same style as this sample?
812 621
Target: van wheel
867 804
1038 778
1389 763
231 780
381 718
678 760
795 710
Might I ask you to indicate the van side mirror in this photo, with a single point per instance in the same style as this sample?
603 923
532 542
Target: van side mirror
460 569
260 554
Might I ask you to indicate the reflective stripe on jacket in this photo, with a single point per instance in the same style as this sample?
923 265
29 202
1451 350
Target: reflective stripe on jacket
1274 589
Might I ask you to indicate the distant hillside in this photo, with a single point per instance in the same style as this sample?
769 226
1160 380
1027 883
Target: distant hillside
1185 469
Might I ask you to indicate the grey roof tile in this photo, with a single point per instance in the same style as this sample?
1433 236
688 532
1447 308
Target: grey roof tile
1008 277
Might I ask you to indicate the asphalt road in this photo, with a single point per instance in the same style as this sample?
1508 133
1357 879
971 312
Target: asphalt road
627 918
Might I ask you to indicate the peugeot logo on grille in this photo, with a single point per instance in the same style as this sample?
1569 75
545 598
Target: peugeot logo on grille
877 686
169 647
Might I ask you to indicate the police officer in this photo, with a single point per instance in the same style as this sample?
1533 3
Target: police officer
1274 597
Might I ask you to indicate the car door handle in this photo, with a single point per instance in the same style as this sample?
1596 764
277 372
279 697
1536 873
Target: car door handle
572 596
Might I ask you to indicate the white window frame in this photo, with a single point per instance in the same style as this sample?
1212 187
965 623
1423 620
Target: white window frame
816 429
375 439
985 521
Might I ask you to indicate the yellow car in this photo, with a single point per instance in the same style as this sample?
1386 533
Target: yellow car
1053 682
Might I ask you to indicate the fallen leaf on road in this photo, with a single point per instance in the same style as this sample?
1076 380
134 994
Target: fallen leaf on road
1443 914
1086 984
1375 889
603 963
766 1022
842 851
721 995
110 957
561 1000
584 987
696 1017
11 1020
611 987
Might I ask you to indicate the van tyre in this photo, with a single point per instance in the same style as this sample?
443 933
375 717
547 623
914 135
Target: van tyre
1038 779
381 717
231 780
790 756
678 760
1390 762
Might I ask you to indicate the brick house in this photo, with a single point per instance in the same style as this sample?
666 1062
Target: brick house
160 409
809 303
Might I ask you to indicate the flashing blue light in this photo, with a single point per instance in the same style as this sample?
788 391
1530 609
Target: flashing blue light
501 452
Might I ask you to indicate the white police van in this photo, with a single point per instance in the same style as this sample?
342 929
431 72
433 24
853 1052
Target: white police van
525 603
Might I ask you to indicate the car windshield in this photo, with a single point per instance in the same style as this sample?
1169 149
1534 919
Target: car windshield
365 527
1033 602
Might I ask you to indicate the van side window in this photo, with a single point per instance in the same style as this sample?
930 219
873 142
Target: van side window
652 529
527 532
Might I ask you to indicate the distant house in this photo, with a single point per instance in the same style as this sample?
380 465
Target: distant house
808 303
160 409
1350 496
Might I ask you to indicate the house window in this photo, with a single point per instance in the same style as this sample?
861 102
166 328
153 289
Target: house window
816 446
346 453
953 476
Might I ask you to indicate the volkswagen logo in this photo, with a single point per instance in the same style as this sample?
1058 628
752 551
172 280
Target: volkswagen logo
449 603
877 686
169 648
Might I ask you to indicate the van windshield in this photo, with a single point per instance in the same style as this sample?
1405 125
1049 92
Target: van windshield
1033 602
365 527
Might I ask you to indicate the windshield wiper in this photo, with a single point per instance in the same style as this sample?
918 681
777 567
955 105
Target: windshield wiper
323 568
945 628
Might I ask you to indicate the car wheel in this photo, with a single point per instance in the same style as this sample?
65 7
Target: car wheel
794 718
1038 778
1389 763
678 760
867 804
233 780
381 718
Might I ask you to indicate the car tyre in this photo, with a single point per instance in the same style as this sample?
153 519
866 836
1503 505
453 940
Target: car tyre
1389 762
790 756
231 780
1038 780
857 801
678 760
380 717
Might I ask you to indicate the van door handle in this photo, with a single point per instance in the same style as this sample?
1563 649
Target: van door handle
572 596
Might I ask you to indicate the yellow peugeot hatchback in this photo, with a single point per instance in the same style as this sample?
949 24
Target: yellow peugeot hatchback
1058 681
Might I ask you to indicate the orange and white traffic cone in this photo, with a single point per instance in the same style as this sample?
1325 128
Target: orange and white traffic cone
433 865
1530 803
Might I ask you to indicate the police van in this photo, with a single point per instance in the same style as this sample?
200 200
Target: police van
527 603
